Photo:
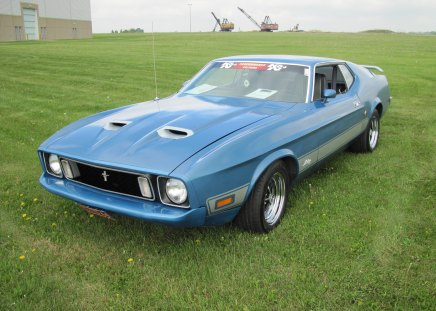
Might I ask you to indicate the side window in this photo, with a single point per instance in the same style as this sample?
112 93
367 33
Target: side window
347 78
323 80
335 76
327 72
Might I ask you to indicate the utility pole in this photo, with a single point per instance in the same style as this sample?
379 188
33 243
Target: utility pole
190 17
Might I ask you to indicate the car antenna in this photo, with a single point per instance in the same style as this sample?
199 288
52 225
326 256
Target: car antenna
154 66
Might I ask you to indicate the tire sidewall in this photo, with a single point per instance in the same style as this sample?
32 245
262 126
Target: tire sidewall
374 116
263 182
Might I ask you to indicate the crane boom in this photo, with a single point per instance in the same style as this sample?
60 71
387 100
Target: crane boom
249 17
214 28
216 18
218 22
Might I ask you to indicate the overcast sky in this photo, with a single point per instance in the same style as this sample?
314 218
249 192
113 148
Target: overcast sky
332 15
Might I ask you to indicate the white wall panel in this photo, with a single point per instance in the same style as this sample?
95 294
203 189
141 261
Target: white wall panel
68 9
10 7
57 9
5 7
81 9
64 9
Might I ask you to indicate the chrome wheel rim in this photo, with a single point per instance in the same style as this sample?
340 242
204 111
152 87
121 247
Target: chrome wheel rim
274 198
373 133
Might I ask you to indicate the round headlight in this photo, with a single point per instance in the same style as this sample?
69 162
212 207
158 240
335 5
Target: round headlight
55 165
176 191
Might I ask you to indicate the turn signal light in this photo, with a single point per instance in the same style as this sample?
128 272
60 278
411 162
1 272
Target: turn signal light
225 201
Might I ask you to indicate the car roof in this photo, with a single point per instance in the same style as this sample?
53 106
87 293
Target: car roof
291 59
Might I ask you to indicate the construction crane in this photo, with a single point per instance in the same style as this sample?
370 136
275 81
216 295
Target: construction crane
225 25
296 28
267 25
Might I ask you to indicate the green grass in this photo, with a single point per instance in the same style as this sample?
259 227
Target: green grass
359 234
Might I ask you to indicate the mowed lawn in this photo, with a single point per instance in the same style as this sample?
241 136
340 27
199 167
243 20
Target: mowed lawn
358 234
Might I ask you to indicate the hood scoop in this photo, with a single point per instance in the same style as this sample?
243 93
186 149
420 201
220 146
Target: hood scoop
174 132
115 125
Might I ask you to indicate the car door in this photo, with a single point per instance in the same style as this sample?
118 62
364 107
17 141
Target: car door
341 118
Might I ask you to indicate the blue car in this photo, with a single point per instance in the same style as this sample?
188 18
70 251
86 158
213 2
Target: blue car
227 147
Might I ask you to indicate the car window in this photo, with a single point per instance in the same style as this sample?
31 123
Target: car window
323 80
326 71
336 77
255 80
348 77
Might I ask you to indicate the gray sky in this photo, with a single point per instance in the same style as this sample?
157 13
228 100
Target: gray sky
332 15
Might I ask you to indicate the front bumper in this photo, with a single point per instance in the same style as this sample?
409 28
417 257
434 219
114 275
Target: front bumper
150 211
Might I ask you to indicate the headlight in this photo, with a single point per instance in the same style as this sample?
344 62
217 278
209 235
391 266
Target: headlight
176 191
54 164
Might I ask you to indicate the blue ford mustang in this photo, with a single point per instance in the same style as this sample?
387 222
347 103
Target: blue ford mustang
227 146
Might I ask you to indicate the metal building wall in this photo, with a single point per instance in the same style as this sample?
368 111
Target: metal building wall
56 19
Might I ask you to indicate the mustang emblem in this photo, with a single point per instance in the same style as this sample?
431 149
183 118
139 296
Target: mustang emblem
105 175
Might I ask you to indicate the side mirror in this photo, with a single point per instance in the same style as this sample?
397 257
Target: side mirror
328 93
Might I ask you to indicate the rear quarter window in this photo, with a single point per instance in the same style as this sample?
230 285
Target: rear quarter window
348 76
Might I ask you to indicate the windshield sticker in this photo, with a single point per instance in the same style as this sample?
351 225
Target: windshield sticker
201 89
276 67
261 93
253 66
227 65
306 72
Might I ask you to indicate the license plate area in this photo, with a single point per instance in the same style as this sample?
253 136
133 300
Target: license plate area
97 212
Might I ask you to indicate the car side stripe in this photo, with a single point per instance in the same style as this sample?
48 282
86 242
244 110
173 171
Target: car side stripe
311 158
308 160
340 140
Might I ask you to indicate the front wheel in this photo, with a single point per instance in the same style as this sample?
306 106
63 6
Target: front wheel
267 202
368 140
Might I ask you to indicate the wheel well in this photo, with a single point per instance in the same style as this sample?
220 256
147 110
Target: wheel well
379 109
291 165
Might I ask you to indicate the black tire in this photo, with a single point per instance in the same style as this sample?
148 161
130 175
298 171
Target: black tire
368 140
266 205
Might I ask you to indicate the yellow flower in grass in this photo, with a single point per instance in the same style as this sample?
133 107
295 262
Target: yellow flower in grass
35 200
130 260
23 204
24 215
22 257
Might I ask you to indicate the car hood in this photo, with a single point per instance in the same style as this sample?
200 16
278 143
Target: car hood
128 137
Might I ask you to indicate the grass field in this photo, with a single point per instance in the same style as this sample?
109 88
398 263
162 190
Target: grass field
359 234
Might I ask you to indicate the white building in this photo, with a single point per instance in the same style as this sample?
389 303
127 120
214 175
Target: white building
45 19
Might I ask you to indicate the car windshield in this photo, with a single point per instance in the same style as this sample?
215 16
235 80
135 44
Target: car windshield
257 80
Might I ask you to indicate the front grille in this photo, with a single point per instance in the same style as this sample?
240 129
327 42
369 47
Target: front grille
108 179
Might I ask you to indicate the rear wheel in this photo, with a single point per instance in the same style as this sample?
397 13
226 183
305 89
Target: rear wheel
267 202
368 140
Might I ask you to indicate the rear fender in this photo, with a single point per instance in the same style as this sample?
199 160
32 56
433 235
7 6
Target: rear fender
374 105
383 95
